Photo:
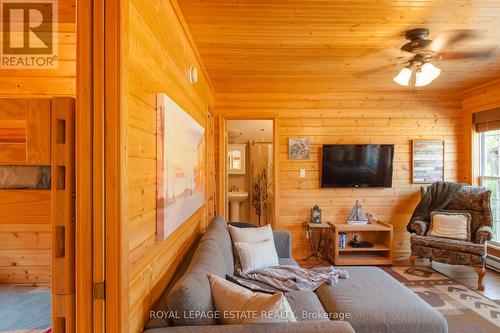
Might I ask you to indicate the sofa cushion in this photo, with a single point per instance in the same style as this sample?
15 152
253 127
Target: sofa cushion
306 306
218 231
299 327
449 244
287 261
251 235
376 302
255 256
192 291
238 305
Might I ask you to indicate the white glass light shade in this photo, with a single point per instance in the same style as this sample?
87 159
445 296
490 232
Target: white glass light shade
426 74
403 78
431 71
421 79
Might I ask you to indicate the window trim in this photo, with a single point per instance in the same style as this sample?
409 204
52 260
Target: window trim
481 183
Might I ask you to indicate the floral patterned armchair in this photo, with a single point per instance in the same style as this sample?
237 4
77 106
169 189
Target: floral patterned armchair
475 201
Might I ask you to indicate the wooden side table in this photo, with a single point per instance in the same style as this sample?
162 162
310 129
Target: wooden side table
319 240
380 234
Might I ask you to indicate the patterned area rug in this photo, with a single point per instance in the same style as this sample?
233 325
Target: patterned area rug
465 310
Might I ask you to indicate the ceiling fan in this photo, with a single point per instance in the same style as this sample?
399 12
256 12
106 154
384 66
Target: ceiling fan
422 53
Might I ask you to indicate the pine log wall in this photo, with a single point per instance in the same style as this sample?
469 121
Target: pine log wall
25 238
159 55
480 98
48 82
483 97
359 117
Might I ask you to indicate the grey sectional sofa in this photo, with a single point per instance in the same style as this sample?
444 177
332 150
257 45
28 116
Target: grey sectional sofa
369 301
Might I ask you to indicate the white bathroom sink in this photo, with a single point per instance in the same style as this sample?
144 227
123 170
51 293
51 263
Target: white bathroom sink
237 196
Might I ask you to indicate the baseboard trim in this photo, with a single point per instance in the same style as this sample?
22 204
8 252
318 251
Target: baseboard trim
493 263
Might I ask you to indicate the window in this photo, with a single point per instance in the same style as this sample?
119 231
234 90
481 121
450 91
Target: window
490 173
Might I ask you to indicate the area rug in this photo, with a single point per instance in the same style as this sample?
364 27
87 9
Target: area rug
24 309
465 310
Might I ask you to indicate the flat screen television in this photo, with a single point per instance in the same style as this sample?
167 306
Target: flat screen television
357 166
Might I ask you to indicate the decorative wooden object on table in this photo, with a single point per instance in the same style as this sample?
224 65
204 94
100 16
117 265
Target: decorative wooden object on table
319 240
380 234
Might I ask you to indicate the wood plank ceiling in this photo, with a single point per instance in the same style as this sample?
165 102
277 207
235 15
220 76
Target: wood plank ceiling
305 46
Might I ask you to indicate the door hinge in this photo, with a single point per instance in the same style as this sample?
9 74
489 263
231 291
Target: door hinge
99 290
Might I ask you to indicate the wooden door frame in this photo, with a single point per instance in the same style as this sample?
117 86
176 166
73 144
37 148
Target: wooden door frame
222 205
84 167
100 161
115 162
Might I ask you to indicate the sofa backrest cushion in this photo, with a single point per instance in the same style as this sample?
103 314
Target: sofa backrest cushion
218 231
192 294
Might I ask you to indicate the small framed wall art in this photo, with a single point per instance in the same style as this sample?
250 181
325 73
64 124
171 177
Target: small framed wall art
299 148
427 161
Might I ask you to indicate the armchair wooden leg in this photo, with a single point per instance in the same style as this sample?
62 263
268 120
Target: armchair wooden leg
481 271
413 261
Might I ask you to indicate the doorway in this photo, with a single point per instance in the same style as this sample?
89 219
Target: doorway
249 173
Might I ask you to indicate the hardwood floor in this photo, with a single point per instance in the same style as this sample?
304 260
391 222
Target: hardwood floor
463 274
468 277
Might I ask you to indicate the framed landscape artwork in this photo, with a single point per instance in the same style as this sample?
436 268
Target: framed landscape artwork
180 166
427 161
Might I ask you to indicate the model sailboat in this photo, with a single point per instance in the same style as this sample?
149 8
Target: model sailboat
357 215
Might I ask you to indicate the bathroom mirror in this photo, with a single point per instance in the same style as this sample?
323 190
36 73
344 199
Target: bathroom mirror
236 158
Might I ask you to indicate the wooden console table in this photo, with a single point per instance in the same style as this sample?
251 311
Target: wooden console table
380 234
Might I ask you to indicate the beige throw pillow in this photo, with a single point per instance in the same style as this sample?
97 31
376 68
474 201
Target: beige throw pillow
249 235
258 255
450 225
238 305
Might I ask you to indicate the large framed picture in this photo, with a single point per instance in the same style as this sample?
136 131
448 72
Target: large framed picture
180 166
427 161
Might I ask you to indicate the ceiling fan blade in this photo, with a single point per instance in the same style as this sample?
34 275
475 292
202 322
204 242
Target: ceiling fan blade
392 53
377 69
449 38
480 55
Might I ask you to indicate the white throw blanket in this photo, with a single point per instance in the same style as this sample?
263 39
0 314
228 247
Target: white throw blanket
290 277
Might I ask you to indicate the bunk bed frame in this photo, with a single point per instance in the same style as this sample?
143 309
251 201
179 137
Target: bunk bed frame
37 226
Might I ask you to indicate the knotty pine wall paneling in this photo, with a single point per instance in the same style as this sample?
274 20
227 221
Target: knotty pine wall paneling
48 82
480 98
160 52
348 117
26 242
25 214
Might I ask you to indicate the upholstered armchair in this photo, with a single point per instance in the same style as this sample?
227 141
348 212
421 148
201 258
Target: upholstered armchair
470 199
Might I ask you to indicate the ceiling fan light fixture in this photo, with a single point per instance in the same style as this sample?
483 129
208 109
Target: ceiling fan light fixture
431 71
421 79
426 74
403 78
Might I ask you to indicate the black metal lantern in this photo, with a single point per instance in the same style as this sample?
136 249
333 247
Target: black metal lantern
315 214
